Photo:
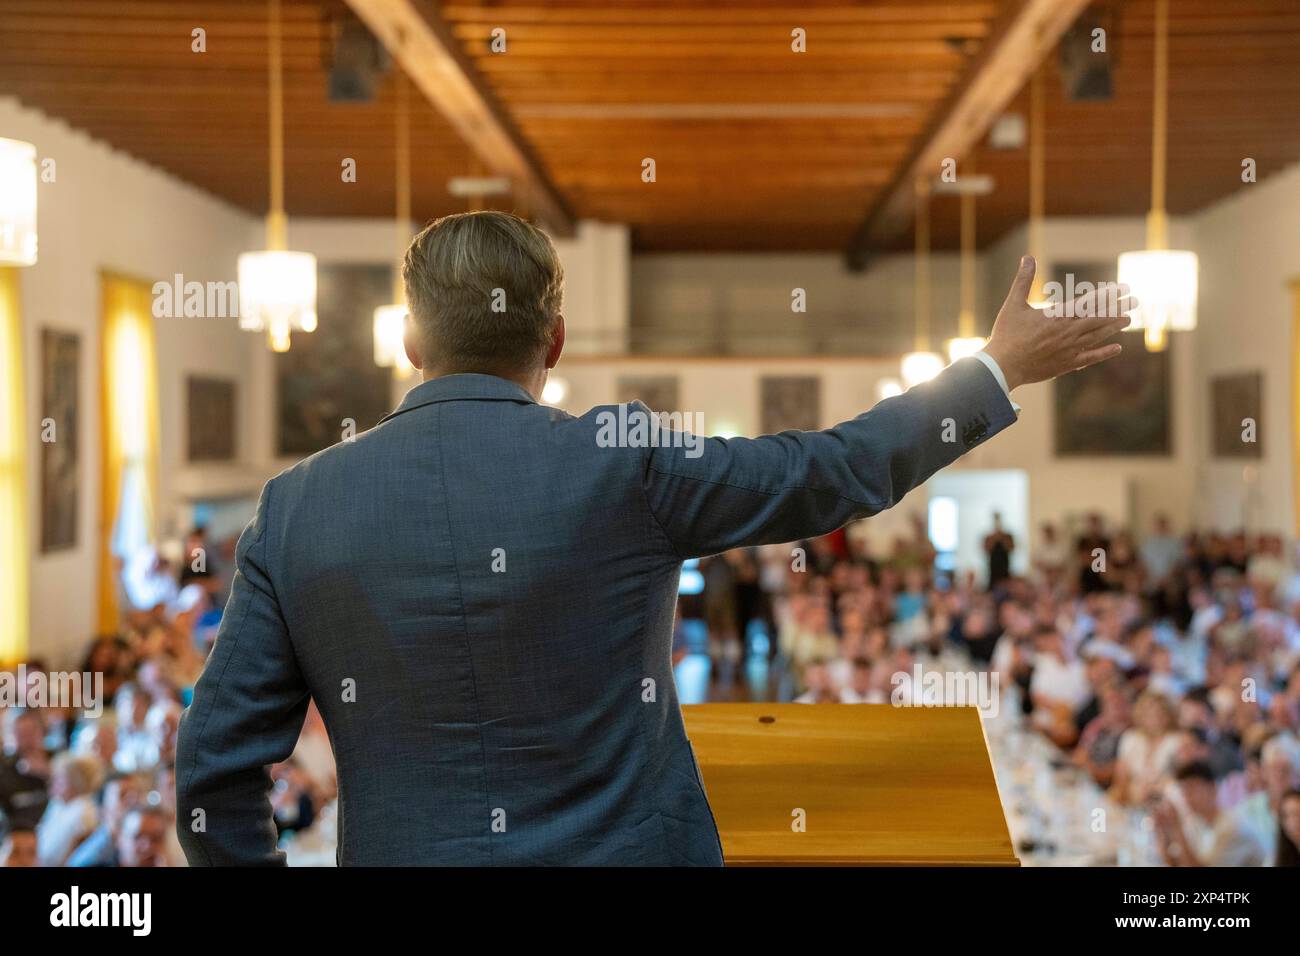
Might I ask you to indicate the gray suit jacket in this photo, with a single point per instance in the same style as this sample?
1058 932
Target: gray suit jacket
479 596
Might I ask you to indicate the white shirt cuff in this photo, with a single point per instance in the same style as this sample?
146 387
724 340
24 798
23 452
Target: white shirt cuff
991 364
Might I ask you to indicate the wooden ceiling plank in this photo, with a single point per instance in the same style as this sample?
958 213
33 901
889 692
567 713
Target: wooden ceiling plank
416 35
1013 51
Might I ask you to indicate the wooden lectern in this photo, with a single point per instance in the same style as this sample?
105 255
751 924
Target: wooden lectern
878 785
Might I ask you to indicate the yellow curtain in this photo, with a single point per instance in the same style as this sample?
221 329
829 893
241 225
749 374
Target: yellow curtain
1295 399
15 553
128 422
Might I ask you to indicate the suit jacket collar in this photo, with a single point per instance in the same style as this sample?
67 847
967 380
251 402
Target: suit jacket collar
467 386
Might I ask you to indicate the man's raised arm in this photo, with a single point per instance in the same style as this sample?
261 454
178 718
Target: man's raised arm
795 485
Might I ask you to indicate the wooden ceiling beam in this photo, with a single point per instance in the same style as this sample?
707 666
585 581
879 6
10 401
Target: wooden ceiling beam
1013 50
792 13
418 37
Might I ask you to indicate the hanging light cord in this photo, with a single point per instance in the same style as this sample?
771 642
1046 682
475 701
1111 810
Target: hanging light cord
403 180
276 237
921 298
1157 228
1037 177
966 316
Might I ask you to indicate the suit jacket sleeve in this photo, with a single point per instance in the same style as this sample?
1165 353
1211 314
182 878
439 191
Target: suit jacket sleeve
248 710
795 485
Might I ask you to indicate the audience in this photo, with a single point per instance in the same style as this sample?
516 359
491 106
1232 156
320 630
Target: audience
1167 671
1196 831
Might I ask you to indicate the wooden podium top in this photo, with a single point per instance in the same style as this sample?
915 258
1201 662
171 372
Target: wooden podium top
877 784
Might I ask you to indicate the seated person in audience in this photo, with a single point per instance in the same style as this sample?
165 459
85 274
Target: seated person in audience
1279 773
859 689
1288 831
818 687
1162 678
120 795
1288 702
109 656
1232 633
1146 751
1098 747
1266 566
97 739
1122 561
1102 674
18 848
71 815
1223 749
1197 832
163 721
1058 688
24 769
143 838
978 632
136 746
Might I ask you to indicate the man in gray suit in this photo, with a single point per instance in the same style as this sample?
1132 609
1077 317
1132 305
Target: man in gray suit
479 592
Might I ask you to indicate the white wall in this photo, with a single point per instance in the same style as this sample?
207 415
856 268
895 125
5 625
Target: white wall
685 291
108 211
679 298
1249 248
596 263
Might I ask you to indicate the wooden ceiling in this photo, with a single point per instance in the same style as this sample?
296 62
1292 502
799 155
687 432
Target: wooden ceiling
756 147
1234 93
123 71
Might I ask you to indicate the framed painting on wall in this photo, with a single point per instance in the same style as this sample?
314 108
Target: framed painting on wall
210 419
329 378
658 392
60 428
1120 407
790 403
1235 405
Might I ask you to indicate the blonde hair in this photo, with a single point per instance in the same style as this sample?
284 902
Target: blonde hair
485 290
83 772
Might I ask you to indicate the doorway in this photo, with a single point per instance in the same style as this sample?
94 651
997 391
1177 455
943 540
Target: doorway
960 513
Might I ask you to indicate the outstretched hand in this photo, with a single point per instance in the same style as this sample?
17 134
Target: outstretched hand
1032 346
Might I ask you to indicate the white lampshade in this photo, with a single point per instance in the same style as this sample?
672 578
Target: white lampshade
277 293
920 367
555 390
963 346
888 388
17 203
1164 283
389 333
